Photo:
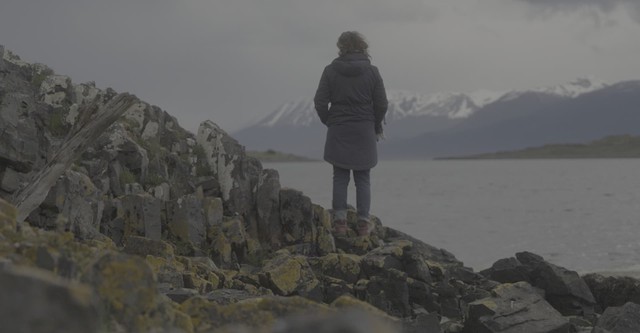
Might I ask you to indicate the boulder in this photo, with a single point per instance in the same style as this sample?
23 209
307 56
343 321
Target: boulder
35 301
237 174
125 285
290 275
514 308
613 291
268 208
19 136
619 319
345 267
186 220
73 204
388 292
564 289
144 246
296 217
142 216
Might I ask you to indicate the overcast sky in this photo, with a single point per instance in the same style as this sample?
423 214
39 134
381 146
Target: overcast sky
234 61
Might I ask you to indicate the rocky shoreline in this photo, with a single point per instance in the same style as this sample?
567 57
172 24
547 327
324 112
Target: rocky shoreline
155 229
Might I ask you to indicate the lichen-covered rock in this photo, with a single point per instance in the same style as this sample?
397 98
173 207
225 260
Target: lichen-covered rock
186 220
340 266
144 246
19 144
268 208
380 260
126 286
35 301
73 204
619 319
296 217
514 308
289 275
237 174
142 216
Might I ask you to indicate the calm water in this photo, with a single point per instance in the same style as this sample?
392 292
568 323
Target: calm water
581 214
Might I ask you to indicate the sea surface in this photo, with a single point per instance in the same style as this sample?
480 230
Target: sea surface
582 214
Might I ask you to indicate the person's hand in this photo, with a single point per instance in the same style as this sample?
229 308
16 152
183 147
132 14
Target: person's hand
380 136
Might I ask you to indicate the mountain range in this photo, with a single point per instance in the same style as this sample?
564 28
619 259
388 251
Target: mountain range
449 124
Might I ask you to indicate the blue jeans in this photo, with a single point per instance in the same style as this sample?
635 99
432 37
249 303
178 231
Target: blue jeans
341 178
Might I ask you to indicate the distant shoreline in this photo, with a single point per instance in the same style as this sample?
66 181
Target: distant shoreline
271 156
618 147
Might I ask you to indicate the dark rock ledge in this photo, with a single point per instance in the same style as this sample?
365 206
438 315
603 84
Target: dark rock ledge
155 229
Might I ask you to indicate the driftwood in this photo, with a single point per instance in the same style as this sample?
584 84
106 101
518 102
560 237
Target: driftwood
95 121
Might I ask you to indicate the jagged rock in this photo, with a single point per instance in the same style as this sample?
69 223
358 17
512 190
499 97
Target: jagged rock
141 216
622 319
132 215
325 243
73 204
186 220
388 292
10 179
296 217
167 271
335 288
19 144
421 294
422 323
144 246
36 301
209 187
237 174
514 308
179 295
213 211
380 260
426 251
290 275
268 208
356 245
228 296
340 266
507 270
613 291
564 289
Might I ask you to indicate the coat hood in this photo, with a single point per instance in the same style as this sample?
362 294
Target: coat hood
351 64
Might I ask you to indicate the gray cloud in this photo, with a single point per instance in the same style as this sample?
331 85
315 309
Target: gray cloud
550 6
233 61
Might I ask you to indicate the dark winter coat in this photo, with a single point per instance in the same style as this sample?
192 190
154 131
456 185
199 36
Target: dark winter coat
358 103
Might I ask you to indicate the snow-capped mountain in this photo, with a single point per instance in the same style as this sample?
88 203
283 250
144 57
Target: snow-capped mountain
440 122
403 104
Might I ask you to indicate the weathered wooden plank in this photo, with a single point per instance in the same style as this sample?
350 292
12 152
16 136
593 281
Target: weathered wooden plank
31 196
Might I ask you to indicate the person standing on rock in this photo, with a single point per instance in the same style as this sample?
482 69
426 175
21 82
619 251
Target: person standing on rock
351 101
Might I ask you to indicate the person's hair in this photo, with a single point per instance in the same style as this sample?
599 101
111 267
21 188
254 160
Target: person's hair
352 42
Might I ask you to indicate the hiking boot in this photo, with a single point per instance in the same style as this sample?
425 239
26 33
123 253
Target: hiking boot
364 228
340 228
